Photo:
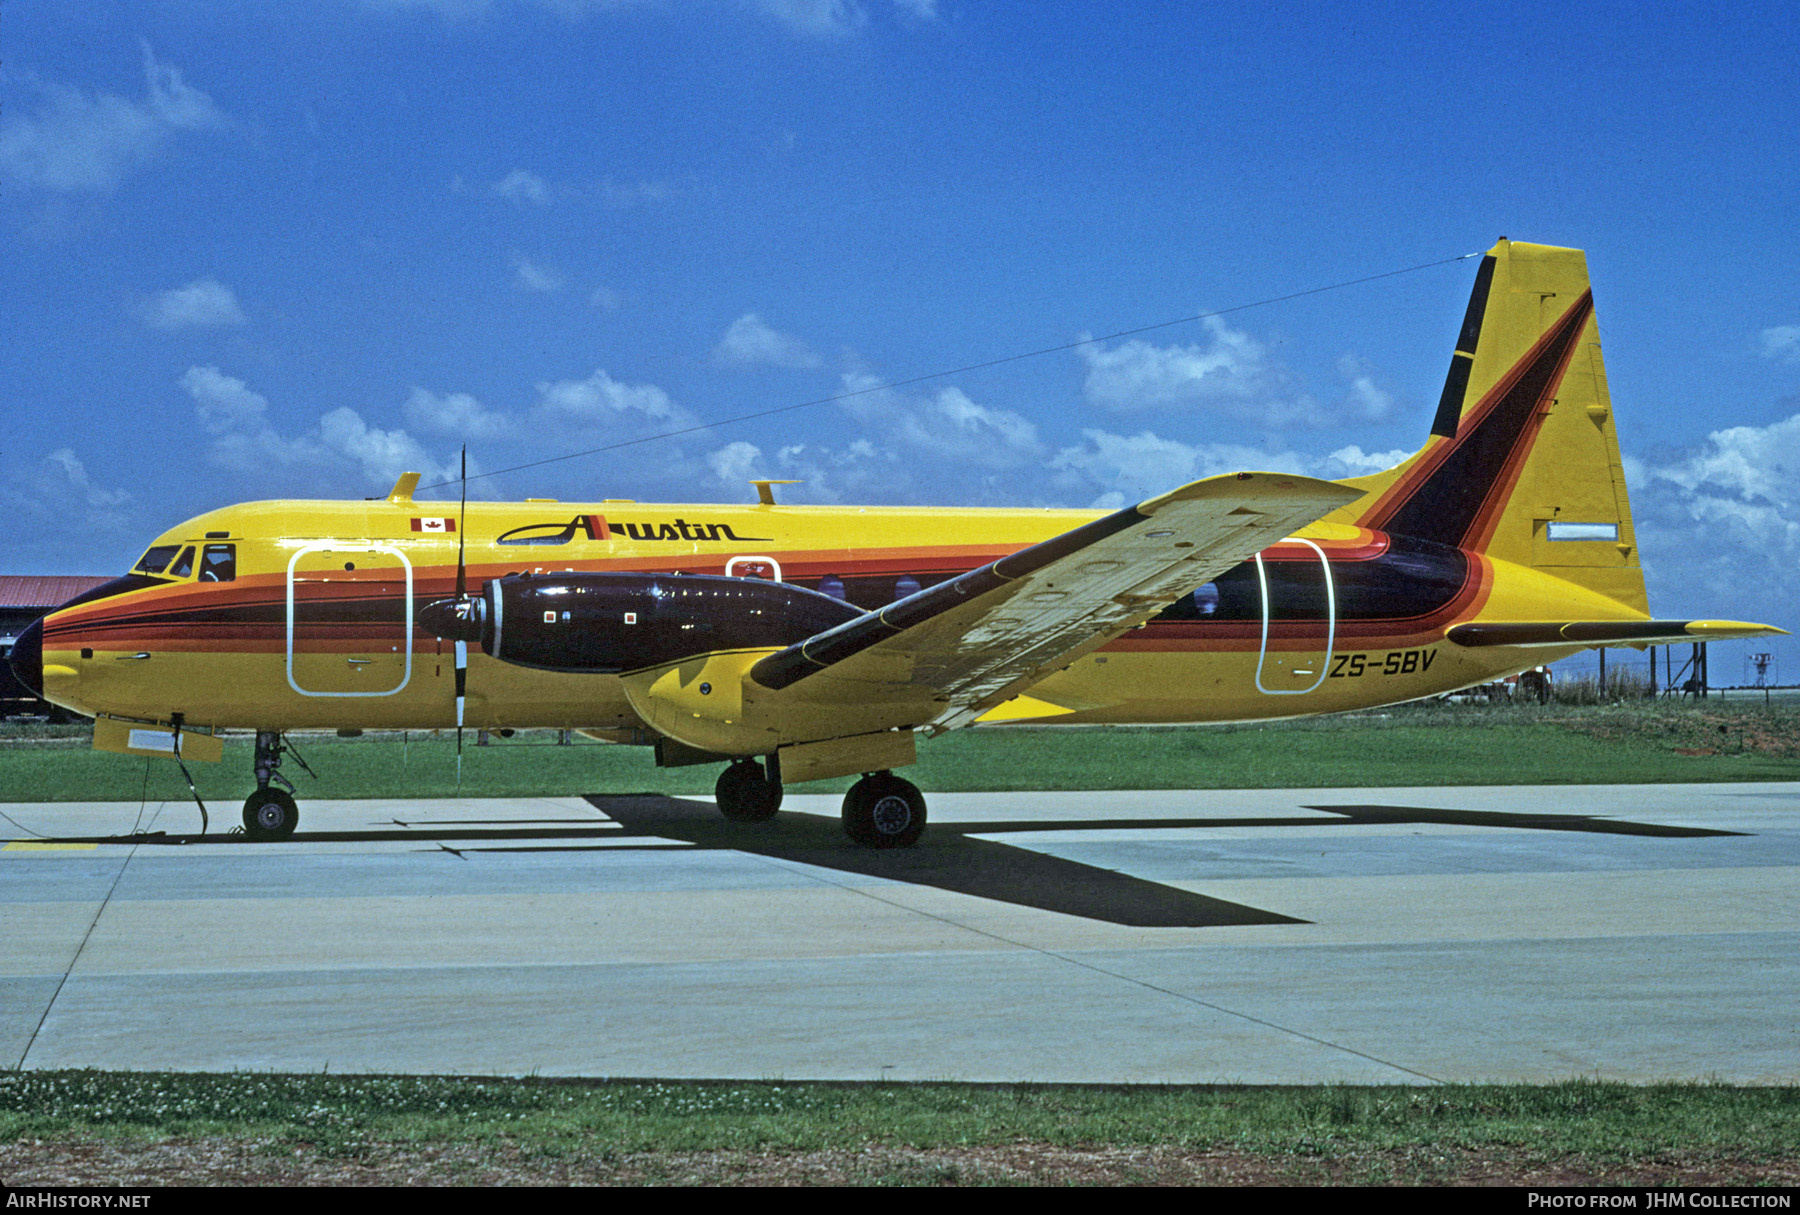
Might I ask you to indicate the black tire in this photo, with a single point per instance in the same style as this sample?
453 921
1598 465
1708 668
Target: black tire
745 794
1534 685
884 811
269 814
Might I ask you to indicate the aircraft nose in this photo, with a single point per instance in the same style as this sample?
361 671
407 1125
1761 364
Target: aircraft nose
27 658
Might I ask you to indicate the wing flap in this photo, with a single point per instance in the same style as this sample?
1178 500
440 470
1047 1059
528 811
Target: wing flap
968 644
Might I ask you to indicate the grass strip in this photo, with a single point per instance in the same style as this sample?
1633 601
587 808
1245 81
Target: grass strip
1430 744
342 1113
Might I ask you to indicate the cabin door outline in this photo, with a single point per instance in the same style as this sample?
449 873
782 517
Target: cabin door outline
318 671
1285 669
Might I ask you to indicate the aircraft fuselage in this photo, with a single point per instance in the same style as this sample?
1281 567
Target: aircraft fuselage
315 625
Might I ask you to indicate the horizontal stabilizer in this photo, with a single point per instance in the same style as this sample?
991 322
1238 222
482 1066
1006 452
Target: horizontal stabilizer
1606 632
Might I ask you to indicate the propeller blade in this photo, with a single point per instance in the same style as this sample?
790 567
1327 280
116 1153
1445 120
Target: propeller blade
462 679
462 603
462 519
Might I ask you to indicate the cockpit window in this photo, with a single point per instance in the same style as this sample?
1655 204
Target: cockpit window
157 559
184 564
219 563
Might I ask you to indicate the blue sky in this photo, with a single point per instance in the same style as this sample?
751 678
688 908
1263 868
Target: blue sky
267 251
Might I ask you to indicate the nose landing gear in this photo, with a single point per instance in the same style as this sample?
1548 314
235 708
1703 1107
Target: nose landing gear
270 813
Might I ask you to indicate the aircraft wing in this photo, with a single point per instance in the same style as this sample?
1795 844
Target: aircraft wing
1606 632
970 643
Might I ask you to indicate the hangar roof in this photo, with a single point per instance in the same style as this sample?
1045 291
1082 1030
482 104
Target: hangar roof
45 590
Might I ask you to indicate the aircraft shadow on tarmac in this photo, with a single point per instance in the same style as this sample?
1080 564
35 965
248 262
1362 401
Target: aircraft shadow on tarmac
953 859
949 857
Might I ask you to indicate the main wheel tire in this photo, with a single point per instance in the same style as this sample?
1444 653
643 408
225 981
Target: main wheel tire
745 794
269 814
884 811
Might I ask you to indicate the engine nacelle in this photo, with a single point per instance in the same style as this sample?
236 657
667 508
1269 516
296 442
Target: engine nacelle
609 623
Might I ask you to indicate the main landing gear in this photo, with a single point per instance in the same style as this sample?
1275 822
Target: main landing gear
747 793
880 811
884 811
270 813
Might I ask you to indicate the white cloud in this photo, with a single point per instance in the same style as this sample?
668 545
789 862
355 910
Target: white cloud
602 399
735 463
529 276
1352 461
1745 464
814 18
632 193
1232 374
226 402
203 303
67 510
75 476
810 18
834 18
247 442
946 426
454 10
457 414
467 10
81 143
858 471
941 448
244 440
382 454
751 341
1719 531
606 299
1122 469
1130 468
523 187
825 474
1365 401
1782 342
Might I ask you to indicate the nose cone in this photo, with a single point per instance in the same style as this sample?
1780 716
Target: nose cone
28 658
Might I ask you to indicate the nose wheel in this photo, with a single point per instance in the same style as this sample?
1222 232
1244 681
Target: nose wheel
269 814
884 811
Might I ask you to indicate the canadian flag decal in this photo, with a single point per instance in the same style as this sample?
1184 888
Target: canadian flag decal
433 525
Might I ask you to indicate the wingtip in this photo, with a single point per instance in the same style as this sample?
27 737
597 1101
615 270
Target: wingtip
1725 630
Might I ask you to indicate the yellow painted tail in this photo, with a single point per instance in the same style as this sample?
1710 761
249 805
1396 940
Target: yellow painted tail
1523 459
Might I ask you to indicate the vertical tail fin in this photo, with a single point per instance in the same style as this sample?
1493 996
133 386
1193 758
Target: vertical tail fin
1523 460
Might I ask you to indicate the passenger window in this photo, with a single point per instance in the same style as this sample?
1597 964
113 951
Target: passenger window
156 559
184 564
219 563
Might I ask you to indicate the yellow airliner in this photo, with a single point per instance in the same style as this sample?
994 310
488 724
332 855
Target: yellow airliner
802 642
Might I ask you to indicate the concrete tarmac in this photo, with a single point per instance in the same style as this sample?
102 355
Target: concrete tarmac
1288 936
